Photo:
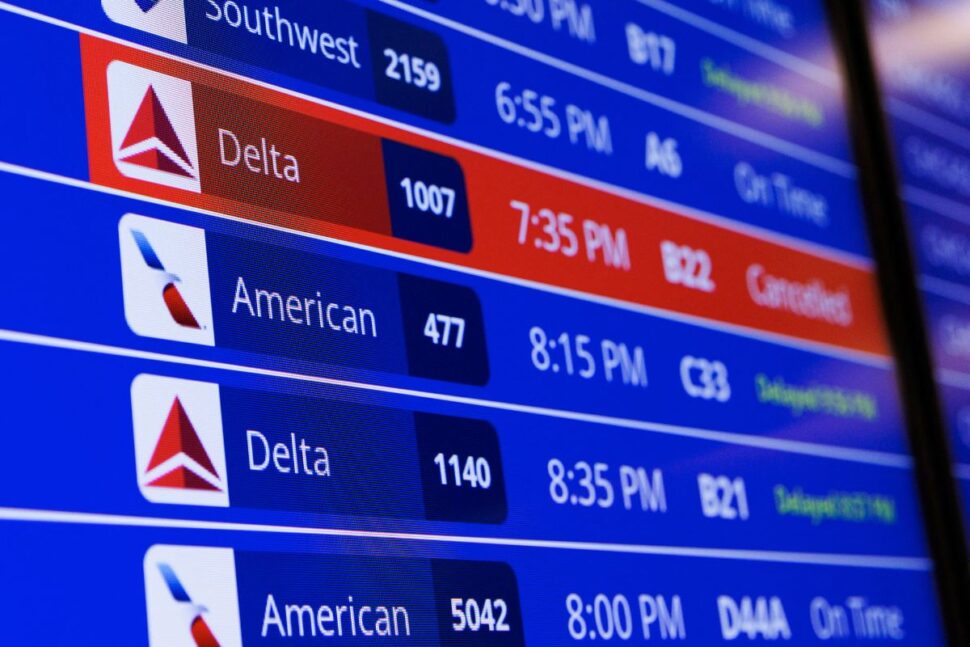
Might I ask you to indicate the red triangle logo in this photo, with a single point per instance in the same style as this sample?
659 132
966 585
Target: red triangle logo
183 479
156 159
151 120
179 437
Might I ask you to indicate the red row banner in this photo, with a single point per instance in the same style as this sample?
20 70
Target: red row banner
174 131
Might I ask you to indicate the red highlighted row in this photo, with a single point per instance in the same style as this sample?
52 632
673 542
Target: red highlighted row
213 142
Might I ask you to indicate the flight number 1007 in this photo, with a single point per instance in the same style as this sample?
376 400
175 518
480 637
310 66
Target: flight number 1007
556 232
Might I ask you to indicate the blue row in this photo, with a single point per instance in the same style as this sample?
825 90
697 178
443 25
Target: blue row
939 85
650 487
649 49
114 571
930 162
543 349
796 28
956 407
942 245
948 321
644 148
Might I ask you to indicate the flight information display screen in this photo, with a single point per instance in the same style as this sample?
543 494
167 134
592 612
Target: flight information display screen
926 86
454 322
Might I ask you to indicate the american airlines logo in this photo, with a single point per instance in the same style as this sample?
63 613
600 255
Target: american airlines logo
191 597
165 279
179 452
174 301
153 127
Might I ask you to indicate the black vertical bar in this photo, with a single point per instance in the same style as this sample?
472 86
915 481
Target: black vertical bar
902 304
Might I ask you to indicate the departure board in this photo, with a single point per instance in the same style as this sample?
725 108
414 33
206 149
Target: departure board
445 322
926 90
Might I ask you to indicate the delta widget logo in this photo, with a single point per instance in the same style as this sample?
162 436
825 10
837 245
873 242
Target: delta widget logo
191 597
153 127
164 18
179 452
165 280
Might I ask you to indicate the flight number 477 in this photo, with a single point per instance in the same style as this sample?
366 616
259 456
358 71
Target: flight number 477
438 328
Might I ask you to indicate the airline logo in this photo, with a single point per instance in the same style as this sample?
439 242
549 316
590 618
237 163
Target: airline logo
164 18
165 280
153 127
179 451
191 597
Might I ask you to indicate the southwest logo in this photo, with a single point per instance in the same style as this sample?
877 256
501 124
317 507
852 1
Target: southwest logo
165 279
179 452
153 126
191 597
164 18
